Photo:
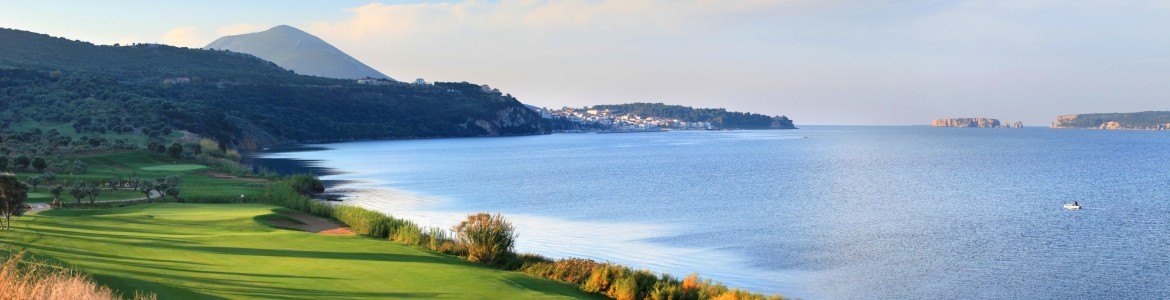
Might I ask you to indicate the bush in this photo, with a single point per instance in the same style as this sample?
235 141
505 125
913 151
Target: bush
306 184
487 237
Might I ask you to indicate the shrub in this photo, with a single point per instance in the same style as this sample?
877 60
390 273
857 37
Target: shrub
487 237
306 184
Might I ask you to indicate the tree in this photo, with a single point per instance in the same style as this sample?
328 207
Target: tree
50 178
175 150
487 237
56 190
40 164
174 193
34 181
12 196
92 190
168 186
80 167
160 187
77 190
21 162
3 163
145 186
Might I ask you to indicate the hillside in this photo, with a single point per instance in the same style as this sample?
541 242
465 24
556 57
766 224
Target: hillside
718 117
298 51
1146 120
236 98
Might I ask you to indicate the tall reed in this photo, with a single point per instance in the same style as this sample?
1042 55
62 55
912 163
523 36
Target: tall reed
23 279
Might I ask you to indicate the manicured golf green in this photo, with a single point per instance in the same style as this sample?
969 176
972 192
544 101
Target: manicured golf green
179 168
202 251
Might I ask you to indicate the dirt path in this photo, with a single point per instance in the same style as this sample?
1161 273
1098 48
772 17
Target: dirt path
312 224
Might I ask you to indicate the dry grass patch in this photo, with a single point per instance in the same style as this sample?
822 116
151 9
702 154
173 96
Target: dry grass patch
21 279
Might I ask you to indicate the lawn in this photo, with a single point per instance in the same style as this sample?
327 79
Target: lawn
200 251
44 197
141 164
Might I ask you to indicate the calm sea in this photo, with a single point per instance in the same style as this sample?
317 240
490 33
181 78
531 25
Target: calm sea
821 212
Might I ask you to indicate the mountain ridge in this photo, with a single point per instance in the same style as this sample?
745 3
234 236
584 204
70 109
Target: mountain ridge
299 51
237 99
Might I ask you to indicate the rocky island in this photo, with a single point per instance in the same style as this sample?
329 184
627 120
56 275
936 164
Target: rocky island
974 123
1146 120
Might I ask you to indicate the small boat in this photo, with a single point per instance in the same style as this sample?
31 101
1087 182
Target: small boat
1072 206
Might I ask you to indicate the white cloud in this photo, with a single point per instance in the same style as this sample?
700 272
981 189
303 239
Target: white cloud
186 36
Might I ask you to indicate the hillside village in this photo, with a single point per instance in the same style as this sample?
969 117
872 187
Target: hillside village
608 120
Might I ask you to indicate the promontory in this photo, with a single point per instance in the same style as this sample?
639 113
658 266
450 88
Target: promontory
1146 120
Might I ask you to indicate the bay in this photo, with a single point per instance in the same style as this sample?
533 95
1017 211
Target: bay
824 212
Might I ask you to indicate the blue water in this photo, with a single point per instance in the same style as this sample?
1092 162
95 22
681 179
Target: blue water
821 212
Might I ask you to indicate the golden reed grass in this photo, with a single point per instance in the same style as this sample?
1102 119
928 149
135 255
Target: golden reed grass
21 279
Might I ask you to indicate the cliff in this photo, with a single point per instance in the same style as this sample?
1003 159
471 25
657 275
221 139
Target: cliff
974 123
1146 120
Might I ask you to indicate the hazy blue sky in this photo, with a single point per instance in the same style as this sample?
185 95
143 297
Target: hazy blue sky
817 61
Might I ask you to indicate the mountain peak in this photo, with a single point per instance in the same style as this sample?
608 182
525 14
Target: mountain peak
285 29
297 50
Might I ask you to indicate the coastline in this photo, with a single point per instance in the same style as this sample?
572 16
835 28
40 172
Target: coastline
546 236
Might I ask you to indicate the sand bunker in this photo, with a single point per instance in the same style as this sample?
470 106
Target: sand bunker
311 224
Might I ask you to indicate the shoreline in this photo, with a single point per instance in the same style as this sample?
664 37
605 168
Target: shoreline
545 235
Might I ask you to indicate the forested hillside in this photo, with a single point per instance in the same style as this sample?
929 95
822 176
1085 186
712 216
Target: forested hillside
235 98
719 117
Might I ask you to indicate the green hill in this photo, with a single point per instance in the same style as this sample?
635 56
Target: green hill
1146 120
236 98
719 117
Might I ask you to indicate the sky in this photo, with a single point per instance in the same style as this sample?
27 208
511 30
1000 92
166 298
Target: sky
830 62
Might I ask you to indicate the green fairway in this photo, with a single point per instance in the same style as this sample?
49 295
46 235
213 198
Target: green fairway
121 165
104 196
39 197
174 168
201 251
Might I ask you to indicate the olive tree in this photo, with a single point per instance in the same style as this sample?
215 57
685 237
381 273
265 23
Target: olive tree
40 164
34 181
92 190
12 196
78 191
56 191
145 186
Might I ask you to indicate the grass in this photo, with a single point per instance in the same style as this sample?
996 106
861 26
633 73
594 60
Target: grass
199 251
179 168
44 197
107 166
